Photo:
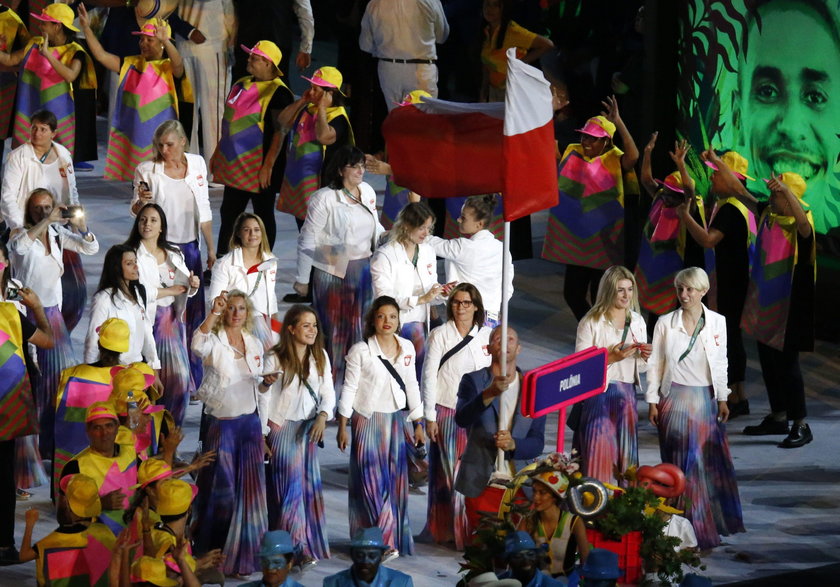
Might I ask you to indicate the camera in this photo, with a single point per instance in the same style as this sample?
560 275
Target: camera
13 294
73 212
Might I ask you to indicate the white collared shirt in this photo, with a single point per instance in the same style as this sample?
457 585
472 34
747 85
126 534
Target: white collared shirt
477 260
294 402
393 274
230 273
240 372
369 387
403 29
141 342
440 386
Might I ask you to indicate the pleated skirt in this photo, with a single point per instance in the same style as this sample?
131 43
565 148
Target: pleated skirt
447 517
171 340
230 509
73 287
606 436
29 469
195 305
341 305
295 496
691 438
378 480
45 385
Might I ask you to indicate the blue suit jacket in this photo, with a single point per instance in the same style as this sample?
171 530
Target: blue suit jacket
481 422
385 577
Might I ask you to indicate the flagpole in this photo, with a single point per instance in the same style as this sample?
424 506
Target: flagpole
505 295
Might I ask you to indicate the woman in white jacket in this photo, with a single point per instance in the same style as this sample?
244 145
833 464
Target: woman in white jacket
459 346
299 404
168 284
606 436
335 244
120 295
406 269
250 266
380 384
686 395
230 508
177 182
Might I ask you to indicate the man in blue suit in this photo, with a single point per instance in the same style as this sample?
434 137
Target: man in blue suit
498 434
366 550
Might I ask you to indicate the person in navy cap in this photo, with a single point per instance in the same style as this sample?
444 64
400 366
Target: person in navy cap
600 569
366 550
276 554
521 555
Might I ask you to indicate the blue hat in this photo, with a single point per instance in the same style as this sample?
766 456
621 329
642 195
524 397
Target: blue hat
694 580
601 564
369 538
276 542
517 542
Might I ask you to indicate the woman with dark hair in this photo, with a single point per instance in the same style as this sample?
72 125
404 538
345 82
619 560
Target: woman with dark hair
250 266
121 295
318 126
168 284
38 258
335 244
459 346
54 68
230 509
405 268
476 256
297 406
380 384
44 163
501 34
177 182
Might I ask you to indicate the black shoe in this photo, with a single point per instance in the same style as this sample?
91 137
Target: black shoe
296 298
9 556
768 426
742 408
800 435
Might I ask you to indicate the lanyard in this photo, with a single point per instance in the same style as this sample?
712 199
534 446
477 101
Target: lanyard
697 328
257 284
627 317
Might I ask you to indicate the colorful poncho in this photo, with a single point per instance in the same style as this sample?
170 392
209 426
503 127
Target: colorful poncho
147 96
42 87
661 256
586 227
17 408
304 160
768 300
110 474
12 29
239 157
77 559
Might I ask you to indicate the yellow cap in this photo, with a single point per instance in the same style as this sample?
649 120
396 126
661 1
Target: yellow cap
794 182
82 495
99 410
174 497
598 126
114 335
152 470
414 97
151 570
736 162
125 380
60 13
327 77
150 26
266 50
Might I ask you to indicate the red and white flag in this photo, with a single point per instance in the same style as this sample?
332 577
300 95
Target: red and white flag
445 149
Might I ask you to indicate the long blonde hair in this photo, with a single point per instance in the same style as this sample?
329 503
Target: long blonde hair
607 288
249 321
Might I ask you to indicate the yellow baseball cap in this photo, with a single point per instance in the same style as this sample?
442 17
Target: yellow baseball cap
151 570
266 50
174 497
794 181
414 97
100 410
598 126
326 77
152 470
60 13
674 182
150 26
125 380
114 334
82 495
736 162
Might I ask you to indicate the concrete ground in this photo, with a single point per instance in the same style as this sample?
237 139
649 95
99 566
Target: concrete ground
790 497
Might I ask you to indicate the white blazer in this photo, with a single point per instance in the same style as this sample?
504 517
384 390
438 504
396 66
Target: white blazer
230 273
666 353
369 387
294 402
393 274
600 333
23 172
196 180
216 352
440 386
147 264
141 340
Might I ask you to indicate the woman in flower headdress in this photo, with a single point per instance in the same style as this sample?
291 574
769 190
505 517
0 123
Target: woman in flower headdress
151 79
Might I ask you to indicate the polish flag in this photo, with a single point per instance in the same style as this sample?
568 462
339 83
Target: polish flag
443 149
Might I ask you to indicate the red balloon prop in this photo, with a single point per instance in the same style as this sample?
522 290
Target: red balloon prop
665 480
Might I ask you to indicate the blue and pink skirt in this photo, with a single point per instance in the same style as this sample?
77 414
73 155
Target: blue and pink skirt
195 305
447 521
73 289
171 340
